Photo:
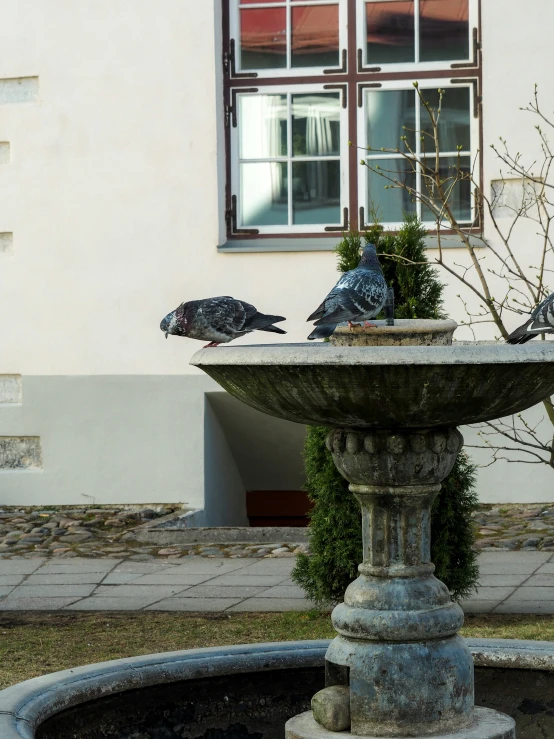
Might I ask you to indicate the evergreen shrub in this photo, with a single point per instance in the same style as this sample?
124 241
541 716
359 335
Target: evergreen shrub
335 520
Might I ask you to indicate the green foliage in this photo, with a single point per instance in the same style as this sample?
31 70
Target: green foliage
348 250
335 525
452 529
417 290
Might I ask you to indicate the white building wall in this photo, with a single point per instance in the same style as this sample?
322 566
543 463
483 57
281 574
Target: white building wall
111 211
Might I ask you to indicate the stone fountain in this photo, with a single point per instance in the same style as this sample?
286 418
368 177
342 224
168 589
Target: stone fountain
397 667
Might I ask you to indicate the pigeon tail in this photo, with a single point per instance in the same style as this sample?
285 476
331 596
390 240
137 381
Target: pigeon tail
520 335
261 320
273 329
322 332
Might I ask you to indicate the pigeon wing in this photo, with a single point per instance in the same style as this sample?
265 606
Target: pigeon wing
331 301
225 314
361 295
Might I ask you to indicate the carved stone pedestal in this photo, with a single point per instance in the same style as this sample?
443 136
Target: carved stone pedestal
398 650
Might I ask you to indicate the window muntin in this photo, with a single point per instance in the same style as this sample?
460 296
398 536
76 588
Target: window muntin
415 34
289 159
294 37
285 182
397 104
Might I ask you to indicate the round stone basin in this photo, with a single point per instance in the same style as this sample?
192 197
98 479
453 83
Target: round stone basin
387 386
242 692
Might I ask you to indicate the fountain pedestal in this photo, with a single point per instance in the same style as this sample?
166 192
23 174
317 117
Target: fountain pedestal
398 651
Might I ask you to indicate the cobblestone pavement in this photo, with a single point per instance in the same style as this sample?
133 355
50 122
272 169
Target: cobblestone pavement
89 532
68 533
515 527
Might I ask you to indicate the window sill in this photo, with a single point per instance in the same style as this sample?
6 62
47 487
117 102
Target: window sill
325 243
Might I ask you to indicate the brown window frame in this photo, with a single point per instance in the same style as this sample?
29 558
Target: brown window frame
351 77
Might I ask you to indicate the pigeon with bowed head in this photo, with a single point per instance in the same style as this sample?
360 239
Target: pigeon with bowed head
217 320
359 295
541 321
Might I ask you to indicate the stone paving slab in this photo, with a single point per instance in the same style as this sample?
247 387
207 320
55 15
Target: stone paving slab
224 591
169 578
53 603
538 607
111 604
510 582
139 591
19 566
66 578
284 591
11 579
121 578
273 605
546 569
246 579
495 593
47 591
200 605
503 580
479 606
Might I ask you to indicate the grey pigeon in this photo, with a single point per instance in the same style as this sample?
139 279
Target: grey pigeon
541 321
217 320
359 295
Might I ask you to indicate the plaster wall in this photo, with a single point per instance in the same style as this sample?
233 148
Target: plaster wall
111 184
119 439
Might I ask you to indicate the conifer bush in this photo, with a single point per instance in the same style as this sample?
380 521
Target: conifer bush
335 521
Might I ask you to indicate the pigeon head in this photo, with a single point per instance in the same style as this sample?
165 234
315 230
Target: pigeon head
175 323
369 258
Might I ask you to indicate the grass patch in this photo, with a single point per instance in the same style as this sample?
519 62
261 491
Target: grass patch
34 643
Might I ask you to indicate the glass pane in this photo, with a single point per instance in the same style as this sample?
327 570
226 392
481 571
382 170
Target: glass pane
390 204
443 30
390 32
454 119
263 38
315 124
316 192
263 194
390 115
260 2
456 185
262 126
315 36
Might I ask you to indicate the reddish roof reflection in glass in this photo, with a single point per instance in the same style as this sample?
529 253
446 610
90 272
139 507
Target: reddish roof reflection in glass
314 28
263 29
391 22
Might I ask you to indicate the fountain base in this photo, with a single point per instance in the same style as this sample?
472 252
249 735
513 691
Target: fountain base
488 724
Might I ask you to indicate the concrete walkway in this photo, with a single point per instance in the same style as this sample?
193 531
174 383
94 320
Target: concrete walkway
511 582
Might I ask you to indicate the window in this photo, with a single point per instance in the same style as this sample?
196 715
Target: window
310 84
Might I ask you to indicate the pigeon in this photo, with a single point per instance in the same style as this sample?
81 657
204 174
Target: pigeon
217 320
359 295
541 321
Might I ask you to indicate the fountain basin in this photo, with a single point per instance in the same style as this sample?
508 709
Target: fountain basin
242 692
384 387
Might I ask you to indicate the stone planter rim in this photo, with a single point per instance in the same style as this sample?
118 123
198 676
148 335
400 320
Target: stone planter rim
317 354
403 325
23 707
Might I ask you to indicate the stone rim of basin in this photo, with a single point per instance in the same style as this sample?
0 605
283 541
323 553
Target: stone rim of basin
470 352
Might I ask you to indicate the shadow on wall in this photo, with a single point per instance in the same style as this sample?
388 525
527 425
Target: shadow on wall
246 450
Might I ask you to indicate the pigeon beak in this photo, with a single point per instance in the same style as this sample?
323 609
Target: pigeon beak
166 334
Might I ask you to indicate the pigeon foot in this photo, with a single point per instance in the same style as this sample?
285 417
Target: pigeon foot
353 325
212 343
367 324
